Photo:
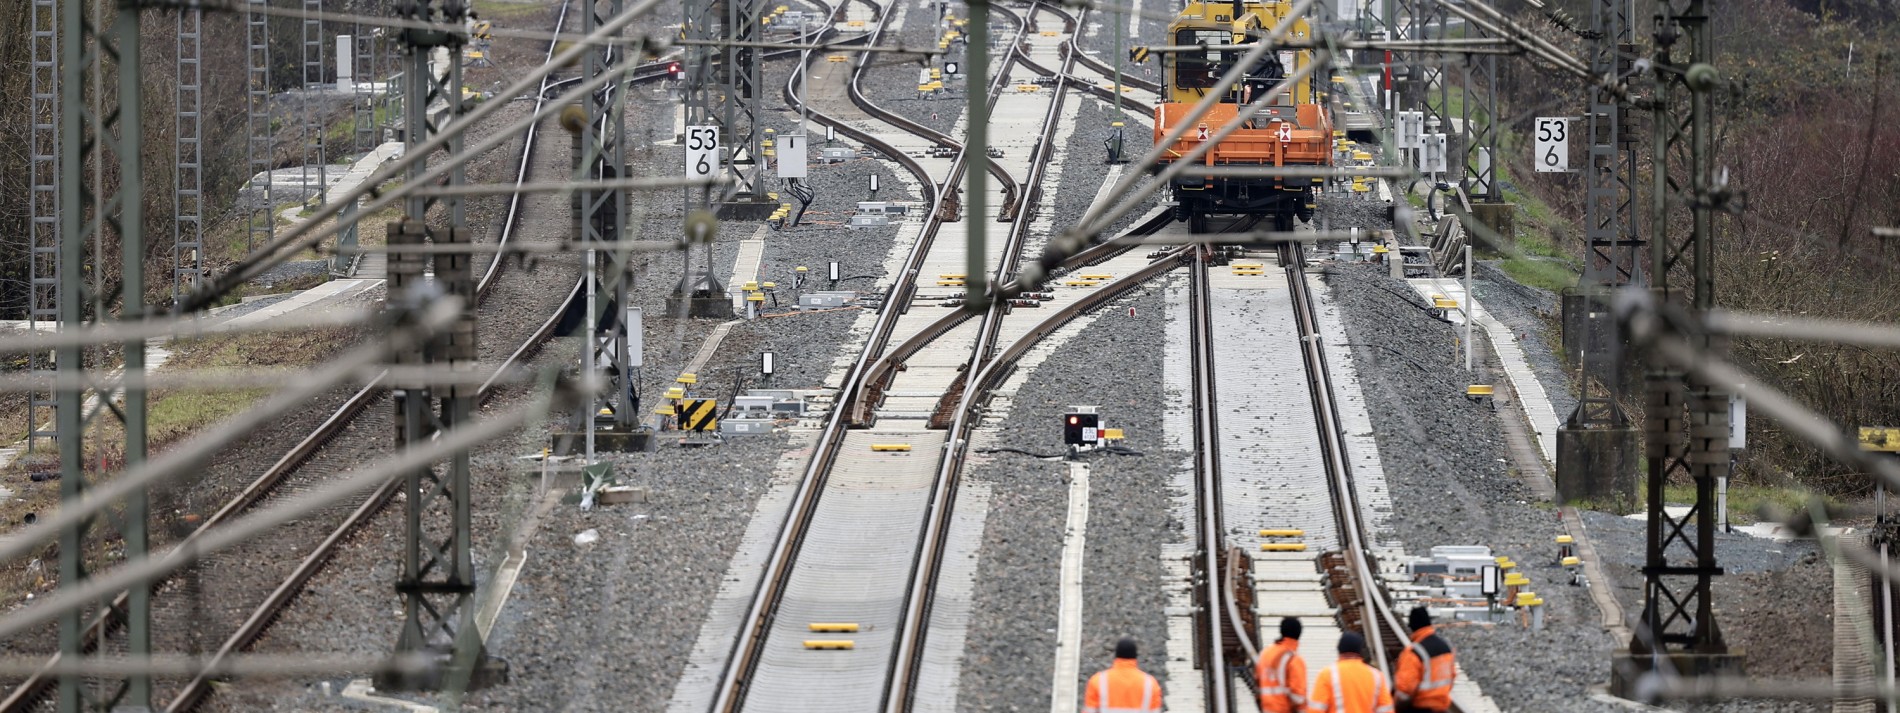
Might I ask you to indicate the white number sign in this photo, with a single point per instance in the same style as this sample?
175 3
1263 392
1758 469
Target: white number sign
1552 144
702 151
791 156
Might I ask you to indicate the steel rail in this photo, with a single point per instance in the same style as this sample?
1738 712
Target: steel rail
198 689
915 627
1377 609
1102 68
1207 484
1039 159
886 367
1010 188
913 624
753 632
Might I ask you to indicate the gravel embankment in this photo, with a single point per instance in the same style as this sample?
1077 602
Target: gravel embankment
1446 461
1530 311
1775 603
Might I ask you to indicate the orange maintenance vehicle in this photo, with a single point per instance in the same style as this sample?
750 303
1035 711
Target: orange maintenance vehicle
1292 129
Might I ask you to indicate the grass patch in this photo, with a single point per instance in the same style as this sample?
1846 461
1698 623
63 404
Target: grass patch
1747 503
175 414
171 416
502 9
1541 273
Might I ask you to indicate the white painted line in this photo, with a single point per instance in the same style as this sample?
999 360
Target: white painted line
498 597
1069 617
699 683
711 346
1108 183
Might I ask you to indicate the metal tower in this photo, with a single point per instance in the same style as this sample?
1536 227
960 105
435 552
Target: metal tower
312 104
743 90
43 224
259 148
1480 131
88 214
600 153
699 293
188 159
1678 627
437 583
1596 448
368 134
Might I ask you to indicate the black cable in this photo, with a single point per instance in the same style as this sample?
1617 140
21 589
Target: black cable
1112 450
1007 449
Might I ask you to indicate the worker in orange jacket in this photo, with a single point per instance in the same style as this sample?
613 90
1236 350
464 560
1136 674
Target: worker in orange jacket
1427 668
1350 686
1123 687
1281 673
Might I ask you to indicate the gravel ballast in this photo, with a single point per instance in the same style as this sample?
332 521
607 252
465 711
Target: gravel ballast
1012 635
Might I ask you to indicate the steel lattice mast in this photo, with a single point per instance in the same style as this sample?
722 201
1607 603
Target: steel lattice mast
437 583
43 223
89 52
1596 447
1687 419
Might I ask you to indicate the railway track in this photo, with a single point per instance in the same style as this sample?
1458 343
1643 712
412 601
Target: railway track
883 522
1346 588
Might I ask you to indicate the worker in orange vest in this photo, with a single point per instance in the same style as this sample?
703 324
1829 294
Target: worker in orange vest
1123 687
1350 686
1281 673
1426 668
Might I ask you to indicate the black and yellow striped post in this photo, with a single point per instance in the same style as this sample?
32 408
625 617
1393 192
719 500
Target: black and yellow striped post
698 415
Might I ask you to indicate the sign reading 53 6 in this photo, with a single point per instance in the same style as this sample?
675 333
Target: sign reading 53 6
702 151
1552 144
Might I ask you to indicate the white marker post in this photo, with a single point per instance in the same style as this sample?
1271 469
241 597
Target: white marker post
1552 144
834 274
765 363
873 185
1738 440
1471 301
345 63
702 151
